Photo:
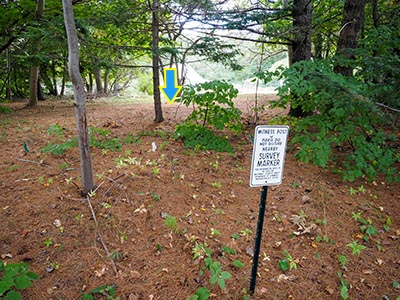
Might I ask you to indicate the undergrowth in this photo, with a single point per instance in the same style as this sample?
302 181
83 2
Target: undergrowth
341 116
213 110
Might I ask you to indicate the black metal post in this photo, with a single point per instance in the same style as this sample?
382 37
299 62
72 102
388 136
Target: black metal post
257 242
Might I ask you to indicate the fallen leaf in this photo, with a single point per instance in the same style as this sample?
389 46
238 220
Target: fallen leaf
249 251
283 277
7 255
101 272
367 272
330 290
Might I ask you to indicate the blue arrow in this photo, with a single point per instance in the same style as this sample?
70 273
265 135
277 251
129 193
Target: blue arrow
170 88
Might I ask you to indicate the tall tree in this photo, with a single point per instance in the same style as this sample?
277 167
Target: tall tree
301 44
353 21
156 62
79 97
34 72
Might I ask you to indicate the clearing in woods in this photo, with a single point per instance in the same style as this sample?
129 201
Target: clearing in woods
159 210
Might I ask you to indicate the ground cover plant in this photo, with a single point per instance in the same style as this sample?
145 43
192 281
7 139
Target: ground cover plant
180 223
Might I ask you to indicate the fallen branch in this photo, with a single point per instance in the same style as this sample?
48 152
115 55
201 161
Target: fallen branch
39 163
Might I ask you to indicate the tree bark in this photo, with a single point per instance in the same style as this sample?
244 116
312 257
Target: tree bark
99 82
79 97
33 84
34 72
40 95
352 23
64 75
301 44
8 83
375 14
54 79
155 63
106 81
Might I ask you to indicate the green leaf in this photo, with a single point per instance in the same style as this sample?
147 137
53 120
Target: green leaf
228 250
226 275
87 297
221 283
344 292
213 278
342 260
22 282
32 275
202 293
284 265
5 285
12 295
238 264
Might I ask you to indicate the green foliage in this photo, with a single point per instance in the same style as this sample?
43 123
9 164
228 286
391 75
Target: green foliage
202 293
56 130
344 287
99 138
171 222
287 263
201 138
57 149
238 264
213 105
379 62
217 275
145 83
107 291
5 110
341 115
342 259
14 278
356 248
213 110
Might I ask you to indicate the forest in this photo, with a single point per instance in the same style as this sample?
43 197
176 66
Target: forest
112 190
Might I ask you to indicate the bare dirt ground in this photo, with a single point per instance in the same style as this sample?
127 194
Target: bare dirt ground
312 216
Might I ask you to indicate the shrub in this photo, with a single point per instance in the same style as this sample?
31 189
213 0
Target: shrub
213 109
341 116
200 138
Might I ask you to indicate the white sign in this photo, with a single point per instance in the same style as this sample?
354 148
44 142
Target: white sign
268 155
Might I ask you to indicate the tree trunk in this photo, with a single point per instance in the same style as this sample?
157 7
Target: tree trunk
90 84
54 79
106 81
352 23
99 82
48 82
34 73
33 84
40 95
301 44
79 97
8 83
375 14
155 62
64 75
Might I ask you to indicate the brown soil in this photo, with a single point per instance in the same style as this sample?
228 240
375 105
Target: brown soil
309 215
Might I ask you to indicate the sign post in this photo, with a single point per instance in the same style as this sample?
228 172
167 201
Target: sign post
266 169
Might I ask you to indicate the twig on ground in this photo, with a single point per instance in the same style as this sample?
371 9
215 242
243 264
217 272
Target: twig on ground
119 185
39 163
98 232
